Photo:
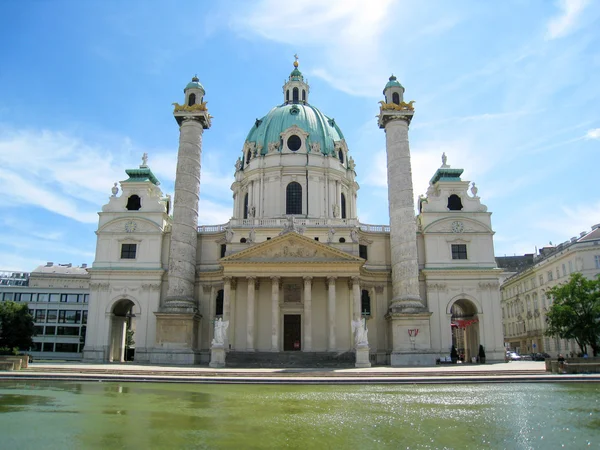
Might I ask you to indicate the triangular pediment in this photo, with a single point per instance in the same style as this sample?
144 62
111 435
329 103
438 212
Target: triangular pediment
291 248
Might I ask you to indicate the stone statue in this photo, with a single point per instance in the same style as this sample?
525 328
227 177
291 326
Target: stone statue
251 236
289 226
228 234
474 190
144 160
330 234
444 159
220 332
359 328
315 147
351 163
238 164
354 235
273 147
115 190
336 210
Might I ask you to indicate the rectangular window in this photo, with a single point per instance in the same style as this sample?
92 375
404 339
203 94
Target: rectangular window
72 298
564 270
67 331
9 296
54 297
36 347
40 315
51 316
570 266
38 330
365 303
84 317
67 348
550 276
43 297
459 251
50 330
223 250
557 273
219 303
363 251
48 347
25 297
69 316
86 298
541 280
18 297
128 251
597 261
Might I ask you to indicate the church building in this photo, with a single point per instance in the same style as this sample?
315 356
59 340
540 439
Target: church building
294 271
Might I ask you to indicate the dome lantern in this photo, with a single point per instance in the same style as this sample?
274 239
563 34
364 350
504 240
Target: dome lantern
393 91
295 90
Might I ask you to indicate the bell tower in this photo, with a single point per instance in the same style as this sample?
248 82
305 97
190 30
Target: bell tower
407 312
178 318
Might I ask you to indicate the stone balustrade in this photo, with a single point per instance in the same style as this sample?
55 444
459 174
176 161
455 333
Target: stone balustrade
280 223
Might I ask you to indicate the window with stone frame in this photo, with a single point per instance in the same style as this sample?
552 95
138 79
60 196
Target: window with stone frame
293 198
219 303
343 208
246 206
363 251
365 303
128 251
192 100
459 251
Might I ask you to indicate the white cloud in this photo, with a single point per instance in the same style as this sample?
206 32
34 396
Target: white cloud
211 213
566 21
570 220
593 134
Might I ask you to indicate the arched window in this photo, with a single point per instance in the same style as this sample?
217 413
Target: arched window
287 95
295 95
454 203
303 95
293 198
341 156
396 98
248 155
192 99
343 206
134 203
246 206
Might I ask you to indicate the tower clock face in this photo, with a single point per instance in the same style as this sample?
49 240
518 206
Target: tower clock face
130 226
457 227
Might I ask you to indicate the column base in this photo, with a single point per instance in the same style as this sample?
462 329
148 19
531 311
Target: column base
217 357
181 305
177 332
410 332
413 359
362 357
410 304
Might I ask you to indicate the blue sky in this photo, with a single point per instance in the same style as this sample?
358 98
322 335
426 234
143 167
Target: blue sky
508 90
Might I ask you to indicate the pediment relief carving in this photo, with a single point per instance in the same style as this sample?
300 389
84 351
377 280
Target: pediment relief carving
456 225
130 226
291 247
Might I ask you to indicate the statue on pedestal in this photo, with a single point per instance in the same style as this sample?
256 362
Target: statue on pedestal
220 330
359 328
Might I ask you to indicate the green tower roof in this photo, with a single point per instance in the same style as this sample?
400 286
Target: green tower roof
194 84
140 175
392 83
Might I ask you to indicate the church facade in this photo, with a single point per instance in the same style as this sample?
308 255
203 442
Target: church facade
294 268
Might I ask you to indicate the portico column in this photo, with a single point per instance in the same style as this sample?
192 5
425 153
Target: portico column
307 314
274 314
226 306
356 298
331 344
250 314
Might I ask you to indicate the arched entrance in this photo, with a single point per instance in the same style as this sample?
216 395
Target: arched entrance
464 324
122 320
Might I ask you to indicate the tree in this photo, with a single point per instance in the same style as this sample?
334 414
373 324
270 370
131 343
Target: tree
575 312
16 326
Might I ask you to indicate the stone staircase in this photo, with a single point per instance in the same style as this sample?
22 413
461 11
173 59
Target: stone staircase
289 359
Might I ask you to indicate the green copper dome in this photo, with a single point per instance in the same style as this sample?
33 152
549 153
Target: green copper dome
392 83
194 84
319 127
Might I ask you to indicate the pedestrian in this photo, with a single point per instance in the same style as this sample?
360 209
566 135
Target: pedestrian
561 363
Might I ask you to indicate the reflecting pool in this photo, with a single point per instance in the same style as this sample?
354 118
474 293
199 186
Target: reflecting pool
61 415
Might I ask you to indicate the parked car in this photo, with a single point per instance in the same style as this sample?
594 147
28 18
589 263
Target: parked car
514 356
539 356
526 358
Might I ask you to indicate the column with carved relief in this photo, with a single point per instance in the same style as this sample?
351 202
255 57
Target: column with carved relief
356 298
308 314
275 314
331 341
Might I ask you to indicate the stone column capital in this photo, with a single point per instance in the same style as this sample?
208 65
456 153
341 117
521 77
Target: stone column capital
275 279
307 280
251 279
331 280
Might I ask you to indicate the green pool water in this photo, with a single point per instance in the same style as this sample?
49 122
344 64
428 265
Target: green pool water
60 415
